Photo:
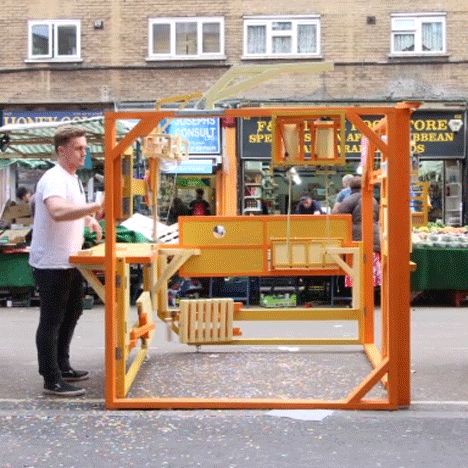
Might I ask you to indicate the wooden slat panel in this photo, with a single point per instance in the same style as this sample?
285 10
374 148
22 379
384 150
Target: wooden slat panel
216 324
192 320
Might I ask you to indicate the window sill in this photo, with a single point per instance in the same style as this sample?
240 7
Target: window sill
185 59
419 56
49 60
282 57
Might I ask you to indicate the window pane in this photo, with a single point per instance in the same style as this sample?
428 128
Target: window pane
40 39
66 40
281 26
161 39
306 39
211 38
281 45
256 39
404 42
432 37
186 39
403 24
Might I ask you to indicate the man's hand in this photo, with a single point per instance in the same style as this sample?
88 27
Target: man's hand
100 213
94 226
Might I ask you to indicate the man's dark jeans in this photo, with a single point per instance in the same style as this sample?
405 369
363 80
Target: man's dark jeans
61 298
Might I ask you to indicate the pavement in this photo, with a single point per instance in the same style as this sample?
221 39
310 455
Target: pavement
40 431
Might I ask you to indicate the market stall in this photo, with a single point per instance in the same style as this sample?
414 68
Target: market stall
441 256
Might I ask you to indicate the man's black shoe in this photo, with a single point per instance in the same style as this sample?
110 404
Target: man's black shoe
72 375
63 389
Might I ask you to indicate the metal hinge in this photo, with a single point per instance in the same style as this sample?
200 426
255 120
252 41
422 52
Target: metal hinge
118 353
118 281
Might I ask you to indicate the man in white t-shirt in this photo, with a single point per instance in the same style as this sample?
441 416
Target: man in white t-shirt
61 213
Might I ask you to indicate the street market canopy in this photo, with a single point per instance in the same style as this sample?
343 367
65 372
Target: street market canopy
34 140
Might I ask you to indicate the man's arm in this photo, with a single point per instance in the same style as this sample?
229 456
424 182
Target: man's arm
61 210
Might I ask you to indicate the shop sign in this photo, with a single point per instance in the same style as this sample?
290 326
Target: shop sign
433 135
202 134
28 117
438 134
192 182
192 166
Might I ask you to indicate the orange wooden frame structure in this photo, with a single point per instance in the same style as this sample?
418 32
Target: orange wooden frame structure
391 362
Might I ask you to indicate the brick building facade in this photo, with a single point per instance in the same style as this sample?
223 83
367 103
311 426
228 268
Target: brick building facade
114 64
94 55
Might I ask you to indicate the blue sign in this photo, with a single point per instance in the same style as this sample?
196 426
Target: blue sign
191 166
202 134
27 117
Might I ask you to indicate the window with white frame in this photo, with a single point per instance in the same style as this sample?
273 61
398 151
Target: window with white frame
418 34
281 37
54 40
186 38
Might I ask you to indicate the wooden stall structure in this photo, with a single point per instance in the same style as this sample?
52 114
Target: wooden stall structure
276 245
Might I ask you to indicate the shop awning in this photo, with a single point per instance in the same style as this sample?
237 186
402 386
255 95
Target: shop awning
34 141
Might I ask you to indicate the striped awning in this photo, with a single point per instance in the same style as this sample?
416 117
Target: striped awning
35 140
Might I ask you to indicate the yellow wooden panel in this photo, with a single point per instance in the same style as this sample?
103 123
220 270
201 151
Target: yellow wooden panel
138 187
299 254
238 231
235 262
280 255
315 252
312 226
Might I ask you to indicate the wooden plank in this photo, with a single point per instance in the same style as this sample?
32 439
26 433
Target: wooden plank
216 324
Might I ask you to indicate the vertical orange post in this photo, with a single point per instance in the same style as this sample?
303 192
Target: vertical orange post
367 229
226 180
398 256
110 162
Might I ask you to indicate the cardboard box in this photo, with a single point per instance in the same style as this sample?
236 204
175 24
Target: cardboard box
13 212
26 221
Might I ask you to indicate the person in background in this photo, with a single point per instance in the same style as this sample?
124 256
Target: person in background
61 215
199 206
178 208
352 205
345 191
23 194
307 205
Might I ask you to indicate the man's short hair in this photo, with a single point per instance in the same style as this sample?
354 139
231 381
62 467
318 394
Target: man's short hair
65 133
355 182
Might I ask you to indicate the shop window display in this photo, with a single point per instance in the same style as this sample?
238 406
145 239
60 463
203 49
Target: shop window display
445 190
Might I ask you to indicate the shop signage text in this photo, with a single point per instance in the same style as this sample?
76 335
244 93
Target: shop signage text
26 117
431 136
202 134
191 166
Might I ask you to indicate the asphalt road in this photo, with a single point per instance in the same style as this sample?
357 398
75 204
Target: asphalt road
39 431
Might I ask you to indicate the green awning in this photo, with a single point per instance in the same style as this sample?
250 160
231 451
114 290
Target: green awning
34 141
27 163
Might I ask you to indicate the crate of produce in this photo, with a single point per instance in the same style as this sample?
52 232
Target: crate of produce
278 300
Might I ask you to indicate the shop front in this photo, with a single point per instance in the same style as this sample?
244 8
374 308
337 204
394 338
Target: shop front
439 142
438 145
196 176
264 190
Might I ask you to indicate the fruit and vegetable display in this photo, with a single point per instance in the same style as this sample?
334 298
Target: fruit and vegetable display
439 235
